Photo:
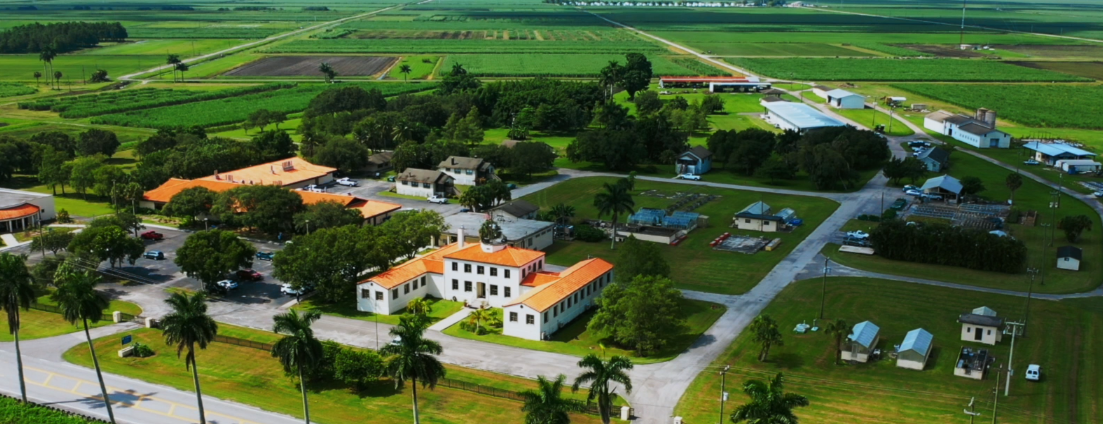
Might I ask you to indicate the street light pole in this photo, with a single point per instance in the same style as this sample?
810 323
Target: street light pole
972 415
823 293
723 394
1014 330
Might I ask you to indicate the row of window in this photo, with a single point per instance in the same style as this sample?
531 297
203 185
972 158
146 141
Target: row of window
416 283
414 184
479 269
580 295
468 287
461 171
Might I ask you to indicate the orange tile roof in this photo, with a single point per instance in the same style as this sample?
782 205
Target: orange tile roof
297 171
537 279
371 208
570 281
21 211
431 263
164 193
310 198
508 256
368 208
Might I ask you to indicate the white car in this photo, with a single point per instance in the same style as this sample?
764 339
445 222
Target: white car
932 196
858 234
1030 162
690 177
347 182
913 193
228 284
1098 194
1033 372
910 187
313 188
291 291
437 199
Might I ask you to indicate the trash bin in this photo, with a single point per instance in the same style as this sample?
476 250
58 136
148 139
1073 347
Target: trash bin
625 413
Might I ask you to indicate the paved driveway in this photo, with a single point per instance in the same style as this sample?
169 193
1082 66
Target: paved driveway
370 189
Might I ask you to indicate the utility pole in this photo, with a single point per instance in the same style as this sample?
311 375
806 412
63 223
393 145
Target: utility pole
996 395
970 412
1007 384
723 394
961 40
823 295
1029 294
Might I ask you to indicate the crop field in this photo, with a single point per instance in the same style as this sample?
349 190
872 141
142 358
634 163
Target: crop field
399 46
562 65
1093 70
1030 105
892 50
8 89
420 67
297 66
21 67
778 49
899 70
1067 19
141 98
540 34
236 109
183 47
1053 52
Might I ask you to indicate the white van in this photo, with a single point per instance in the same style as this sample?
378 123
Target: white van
1033 372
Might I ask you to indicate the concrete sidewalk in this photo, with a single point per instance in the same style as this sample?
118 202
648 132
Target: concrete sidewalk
451 320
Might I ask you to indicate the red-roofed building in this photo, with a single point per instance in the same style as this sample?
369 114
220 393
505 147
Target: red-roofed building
537 302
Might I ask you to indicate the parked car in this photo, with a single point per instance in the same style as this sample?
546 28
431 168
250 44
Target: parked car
910 187
1031 162
248 275
154 254
1033 372
899 204
153 235
913 193
265 256
860 235
390 179
313 188
465 210
1098 194
932 196
690 177
437 199
291 291
228 284
347 182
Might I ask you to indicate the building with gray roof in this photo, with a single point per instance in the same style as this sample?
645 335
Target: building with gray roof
861 342
798 117
915 349
981 326
946 186
524 233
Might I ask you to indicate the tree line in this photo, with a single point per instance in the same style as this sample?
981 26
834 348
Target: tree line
946 245
59 37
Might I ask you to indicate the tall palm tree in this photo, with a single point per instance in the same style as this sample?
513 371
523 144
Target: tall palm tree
57 78
16 291
47 56
838 330
413 356
172 60
327 71
615 200
37 75
79 301
182 67
405 70
764 332
187 326
769 403
546 404
300 351
419 306
600 374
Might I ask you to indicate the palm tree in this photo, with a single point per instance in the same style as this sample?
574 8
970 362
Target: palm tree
546 404
769 403
562 213
16 291
1013 181
300 351
413 356
57 79
187 326
47 56
327 71
615 200
419 306
172 60
78 300
764 332
838 330
405 70
599 374
477 317
182 67
37 75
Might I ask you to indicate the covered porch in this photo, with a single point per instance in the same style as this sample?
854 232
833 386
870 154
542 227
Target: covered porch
19 218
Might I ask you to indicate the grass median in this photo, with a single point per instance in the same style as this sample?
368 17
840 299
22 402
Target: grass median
37 324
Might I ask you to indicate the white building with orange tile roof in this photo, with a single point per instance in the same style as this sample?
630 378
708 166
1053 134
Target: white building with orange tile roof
293 172
535 302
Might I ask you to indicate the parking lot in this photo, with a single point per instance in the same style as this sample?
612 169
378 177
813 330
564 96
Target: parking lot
370 189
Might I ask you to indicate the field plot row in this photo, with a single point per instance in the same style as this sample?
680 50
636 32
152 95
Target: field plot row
297 66
777 49
236 109
899 70
142 98
567 65
1093 70
464 46
1053 106
8 89
505 34
479 19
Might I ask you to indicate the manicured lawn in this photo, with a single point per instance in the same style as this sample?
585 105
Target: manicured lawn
420 67
1060 336
253 377
40 324
698 266
441 309
869 117
576 340
30 235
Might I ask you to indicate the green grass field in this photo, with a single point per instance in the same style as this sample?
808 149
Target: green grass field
40 324
13 411
421 67
184 47
899 70
441 309
869 117
698 266
1029 105
576 340
777 49
74 67
251 376
1060 336
559 65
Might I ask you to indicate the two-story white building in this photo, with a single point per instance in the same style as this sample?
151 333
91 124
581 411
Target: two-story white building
467 171
494 275
423 183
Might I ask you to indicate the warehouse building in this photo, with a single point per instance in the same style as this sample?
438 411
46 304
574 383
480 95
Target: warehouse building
1051 153
978 131
798 117
715 84
843 99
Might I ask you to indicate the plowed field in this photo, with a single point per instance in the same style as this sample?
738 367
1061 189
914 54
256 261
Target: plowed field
299 66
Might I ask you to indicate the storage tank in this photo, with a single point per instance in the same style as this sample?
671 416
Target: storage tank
990 118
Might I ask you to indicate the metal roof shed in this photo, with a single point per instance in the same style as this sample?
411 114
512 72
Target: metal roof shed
914 351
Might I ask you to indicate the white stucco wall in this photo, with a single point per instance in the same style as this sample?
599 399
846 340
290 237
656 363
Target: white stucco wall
914 365
849 102
756 225
410 190
521 328
513 282
989 335
460 175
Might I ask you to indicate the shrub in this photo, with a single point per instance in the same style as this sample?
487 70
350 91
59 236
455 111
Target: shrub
143 350
588 233
357 367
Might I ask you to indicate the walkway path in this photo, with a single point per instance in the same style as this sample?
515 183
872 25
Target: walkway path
9 241
451 320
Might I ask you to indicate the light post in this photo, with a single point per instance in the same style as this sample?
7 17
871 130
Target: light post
723 394
206 227
308 226
1029 294
823 294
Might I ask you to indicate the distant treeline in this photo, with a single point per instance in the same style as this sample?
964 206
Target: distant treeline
315 9
61 37
940 244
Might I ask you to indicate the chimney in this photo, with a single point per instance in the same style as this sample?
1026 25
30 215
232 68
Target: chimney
272 168
459 237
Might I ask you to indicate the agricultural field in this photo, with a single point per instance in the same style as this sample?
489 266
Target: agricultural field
563 65
401 46
134 99
420 67
74 67
1060 335
235 109
1068 18
1075 51
539 34
899 70
1093 70
8 89
299 66
779 49
183 47
1054 106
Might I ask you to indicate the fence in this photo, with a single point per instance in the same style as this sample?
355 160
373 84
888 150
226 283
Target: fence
57 310
242 342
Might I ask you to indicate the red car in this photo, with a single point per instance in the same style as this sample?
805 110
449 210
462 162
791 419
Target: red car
153 235
249 275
